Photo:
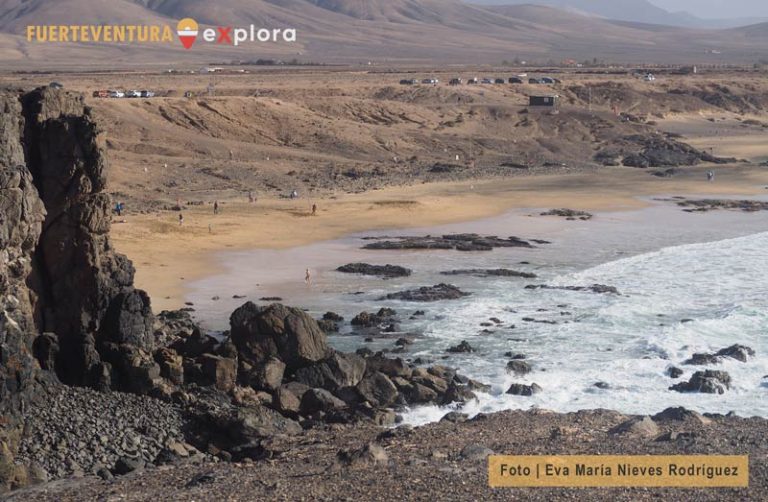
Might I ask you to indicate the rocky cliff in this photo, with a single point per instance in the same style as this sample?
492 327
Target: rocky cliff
66 296
83 288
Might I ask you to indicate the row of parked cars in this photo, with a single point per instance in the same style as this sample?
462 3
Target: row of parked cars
123 94
520 79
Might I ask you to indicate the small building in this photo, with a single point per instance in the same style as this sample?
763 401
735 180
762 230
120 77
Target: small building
549 100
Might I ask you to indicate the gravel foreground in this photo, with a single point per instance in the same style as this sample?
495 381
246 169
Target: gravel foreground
442 461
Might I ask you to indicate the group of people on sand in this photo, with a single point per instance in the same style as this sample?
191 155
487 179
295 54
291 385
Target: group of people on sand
251 200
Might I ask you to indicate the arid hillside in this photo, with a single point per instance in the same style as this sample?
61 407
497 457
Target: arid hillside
330 131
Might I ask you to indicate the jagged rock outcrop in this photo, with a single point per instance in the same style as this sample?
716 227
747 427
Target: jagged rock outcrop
83 287
21 217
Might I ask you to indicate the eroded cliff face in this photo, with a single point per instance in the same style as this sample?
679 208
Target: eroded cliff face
84 288
21 216
65 294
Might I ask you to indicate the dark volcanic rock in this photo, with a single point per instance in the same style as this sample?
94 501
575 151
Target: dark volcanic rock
368 320
519 389
674 372
482 272
77 428
460 242
462 348
570 214
702 359
658 150
428 294
328 326
378 390
387 271
289 334
708 382
337 371
85 288
315 400
738 352
595 288
704 205
519 367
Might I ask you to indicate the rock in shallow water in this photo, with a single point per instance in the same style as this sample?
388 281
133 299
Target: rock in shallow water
707 382
519 389
428 294
386 271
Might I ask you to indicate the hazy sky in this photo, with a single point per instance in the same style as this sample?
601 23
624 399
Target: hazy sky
718 8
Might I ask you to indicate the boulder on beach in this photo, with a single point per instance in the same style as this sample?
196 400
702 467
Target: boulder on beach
287 333
336 371
638 426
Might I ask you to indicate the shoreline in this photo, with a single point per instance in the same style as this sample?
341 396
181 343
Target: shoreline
168 257
606 242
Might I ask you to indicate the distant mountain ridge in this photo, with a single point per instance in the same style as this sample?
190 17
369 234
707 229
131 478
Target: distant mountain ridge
382 31
636 11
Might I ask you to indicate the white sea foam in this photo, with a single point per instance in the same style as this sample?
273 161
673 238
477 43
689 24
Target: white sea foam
629 341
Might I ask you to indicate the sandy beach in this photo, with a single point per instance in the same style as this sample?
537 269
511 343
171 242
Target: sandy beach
167 255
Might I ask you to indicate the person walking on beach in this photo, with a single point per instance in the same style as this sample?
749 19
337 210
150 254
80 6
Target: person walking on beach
308 278
711 176
181 220
314 209
215 207
251 199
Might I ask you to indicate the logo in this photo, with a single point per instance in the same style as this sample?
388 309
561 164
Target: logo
187 32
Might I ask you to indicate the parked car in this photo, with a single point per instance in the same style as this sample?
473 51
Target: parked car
649 77
455 81
56 85
132 94
549 80
487 81
101 94
430 81
515 80
534 81
147 94
473 81
409 81
116 94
